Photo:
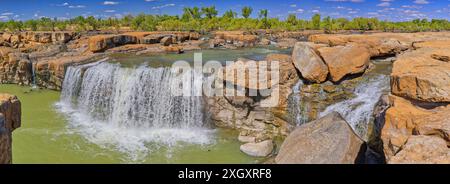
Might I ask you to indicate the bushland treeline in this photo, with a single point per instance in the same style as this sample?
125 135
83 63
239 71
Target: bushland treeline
207 19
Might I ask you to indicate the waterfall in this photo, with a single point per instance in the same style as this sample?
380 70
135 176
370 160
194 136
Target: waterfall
71 84
358 110
133 109
33 76
297 110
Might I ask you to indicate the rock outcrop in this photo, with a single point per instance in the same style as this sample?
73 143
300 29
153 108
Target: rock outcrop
423 150
100 43
404 119
416 126
247 112
31 38
234 39
10 119
15 67
328 140
423 75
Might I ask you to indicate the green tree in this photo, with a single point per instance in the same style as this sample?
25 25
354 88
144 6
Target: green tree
316 21
191 13
327 24
32 24
92 22
263 16
230 14
209 12
247 11
292 19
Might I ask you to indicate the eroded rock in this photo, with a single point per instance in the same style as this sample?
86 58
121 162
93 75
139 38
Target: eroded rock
404 119
420 75
10 119
422 150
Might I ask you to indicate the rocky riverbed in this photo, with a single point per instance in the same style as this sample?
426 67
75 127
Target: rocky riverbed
334 90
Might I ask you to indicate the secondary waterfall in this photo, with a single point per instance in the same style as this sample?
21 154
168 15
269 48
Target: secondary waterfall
295 108
358 111
133 109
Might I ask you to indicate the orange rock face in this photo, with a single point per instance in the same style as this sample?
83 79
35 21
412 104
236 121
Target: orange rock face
50 71
423 150
345 60
239 37
422 75
100 43
404 119
10 119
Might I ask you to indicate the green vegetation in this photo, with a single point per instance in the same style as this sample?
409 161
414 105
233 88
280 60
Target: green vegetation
207 19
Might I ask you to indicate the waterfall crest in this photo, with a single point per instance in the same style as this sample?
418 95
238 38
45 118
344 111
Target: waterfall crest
130 108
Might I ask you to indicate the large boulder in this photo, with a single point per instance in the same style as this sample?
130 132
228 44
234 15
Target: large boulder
10 119
328 140
345 60
422 75
423 150
404 119
309 63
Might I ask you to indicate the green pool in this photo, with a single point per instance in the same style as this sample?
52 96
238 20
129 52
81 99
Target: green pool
46 137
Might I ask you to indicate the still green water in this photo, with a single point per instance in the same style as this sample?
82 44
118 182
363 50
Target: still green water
46 137
221 55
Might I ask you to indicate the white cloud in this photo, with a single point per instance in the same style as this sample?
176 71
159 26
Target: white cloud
162 6
77 6
353 1
421 2
110 3
110 11
297 11
149 0
384 4
293 5
63 4
411 6
315 11
4 17
7 14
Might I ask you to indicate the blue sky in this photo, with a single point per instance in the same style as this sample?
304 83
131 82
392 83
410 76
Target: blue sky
396 10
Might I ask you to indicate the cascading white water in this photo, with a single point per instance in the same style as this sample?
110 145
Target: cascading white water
71 84
297 112
133 109
358 111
